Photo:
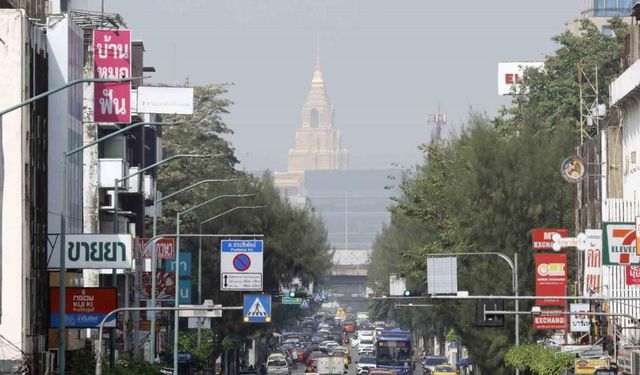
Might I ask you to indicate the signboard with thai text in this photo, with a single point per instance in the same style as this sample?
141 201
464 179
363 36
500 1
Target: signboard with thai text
620 244
551 278
112 60
542 237
95 251
579 323
84 307
593 262
549 321
632 274
165 100
165 248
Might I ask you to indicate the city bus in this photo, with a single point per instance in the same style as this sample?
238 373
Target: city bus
393 351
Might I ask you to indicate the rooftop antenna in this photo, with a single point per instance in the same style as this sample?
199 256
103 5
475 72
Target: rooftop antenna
439 119
317 49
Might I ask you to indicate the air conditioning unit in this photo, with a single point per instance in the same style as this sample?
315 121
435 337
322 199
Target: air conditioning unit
106 201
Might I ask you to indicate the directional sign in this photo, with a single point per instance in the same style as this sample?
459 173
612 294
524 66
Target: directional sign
257 308
286 300
241 265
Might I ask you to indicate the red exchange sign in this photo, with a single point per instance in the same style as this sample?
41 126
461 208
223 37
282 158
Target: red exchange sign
542 322
165 247
551 278
542 237
112 60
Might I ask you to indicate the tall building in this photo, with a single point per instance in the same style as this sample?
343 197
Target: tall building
600 11
318 144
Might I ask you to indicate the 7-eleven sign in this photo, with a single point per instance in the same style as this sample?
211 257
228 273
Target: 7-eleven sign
620 244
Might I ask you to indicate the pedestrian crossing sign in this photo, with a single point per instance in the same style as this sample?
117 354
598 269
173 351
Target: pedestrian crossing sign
257 308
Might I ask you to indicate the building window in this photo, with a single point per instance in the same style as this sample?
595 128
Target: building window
315 118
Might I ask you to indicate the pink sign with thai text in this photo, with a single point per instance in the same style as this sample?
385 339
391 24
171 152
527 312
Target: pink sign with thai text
112 59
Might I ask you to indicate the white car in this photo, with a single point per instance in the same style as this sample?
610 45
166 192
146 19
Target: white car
365 364
365 347
277 365
328 344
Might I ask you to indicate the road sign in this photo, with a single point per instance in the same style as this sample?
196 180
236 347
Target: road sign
200 313
286 300
241 265
304 304
257 308
204 323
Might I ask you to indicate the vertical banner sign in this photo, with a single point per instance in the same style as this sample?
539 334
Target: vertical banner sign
593 263
542 237
112 60
620 244
632 275
637 234
551 278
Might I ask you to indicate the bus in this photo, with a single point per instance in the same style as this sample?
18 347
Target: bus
393 351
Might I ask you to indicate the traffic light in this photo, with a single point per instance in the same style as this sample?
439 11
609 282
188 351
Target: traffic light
411 293
484 320
276 297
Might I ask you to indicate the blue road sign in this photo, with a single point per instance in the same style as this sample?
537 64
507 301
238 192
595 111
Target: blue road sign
185 264
241 246
257 308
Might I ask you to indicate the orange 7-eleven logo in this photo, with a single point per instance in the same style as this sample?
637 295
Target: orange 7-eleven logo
621 243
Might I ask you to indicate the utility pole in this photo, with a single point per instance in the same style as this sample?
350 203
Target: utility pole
440 120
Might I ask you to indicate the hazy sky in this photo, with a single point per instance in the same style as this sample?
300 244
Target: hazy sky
387 64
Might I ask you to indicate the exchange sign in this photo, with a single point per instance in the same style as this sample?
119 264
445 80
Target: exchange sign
551 278
550 321
542 238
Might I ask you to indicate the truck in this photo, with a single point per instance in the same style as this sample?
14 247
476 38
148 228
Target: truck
330 364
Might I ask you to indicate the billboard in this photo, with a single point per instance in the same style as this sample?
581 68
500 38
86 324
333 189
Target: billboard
620 244
541 237
510 74
165 247
112 60
84 307
166 287
165 100
551 278
544 322
593 262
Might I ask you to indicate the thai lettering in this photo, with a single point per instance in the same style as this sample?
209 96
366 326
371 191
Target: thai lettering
112 50
112 72
97 251
110 105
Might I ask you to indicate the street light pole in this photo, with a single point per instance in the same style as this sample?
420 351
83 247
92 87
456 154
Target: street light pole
154 254
176 329
514 282
63 231
61 328
200 224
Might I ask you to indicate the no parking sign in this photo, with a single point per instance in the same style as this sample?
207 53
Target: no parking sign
241 265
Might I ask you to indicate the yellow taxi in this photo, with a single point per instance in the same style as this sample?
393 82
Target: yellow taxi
444 370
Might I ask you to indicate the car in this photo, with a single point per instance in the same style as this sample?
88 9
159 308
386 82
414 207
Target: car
444 370
429 363
365 347
344 351
277 365
328 344
365 363
316 339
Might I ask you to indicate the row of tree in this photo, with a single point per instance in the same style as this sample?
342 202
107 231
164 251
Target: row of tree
295 239
484 191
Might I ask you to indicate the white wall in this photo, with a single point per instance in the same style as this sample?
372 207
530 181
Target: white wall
15 303
630 151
